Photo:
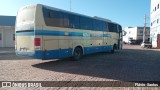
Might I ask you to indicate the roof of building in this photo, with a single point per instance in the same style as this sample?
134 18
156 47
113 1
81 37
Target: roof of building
7 20
143 27
138 27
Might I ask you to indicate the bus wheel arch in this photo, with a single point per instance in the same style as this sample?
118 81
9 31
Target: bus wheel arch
77 53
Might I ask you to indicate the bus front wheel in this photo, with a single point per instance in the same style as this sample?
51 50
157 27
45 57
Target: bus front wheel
77 54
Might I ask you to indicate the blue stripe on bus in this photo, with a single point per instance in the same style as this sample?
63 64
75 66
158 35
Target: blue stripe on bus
91 50
62 53
49 33
108 35
25 34
62 33
36 54
76 34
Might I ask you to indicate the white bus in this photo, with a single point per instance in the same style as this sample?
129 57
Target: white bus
44 32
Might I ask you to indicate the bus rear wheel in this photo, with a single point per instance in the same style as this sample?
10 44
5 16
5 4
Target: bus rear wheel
77 54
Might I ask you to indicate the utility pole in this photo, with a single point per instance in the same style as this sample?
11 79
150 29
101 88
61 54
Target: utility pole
144 31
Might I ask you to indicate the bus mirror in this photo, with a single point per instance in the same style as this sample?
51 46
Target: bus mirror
124 33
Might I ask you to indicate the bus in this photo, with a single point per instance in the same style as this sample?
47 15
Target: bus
45 32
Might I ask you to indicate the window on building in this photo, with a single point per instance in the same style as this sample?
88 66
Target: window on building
158 6
141 31
0 36
157 20
151 24
155 8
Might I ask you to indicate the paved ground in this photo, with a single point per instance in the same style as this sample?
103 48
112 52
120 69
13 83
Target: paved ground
130 64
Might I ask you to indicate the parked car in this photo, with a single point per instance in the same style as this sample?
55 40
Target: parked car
146 44
132 42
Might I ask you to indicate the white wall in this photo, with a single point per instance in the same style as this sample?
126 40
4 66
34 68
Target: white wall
7 36
155 26
136 33
130 33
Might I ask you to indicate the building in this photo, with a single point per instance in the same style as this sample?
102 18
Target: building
7 31
136 34
155 23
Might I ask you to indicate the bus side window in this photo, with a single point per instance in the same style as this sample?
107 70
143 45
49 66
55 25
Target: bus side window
112 27
99 25
119 29
116 28
86 23
73 21
56 19
46 13
53 18
65 20
107 27
103 26
96 25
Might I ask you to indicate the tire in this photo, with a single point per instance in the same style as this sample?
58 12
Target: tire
77 54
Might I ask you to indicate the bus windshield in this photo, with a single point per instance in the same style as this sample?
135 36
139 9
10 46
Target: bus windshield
26 15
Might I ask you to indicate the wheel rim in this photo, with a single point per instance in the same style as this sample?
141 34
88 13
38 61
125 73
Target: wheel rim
77 53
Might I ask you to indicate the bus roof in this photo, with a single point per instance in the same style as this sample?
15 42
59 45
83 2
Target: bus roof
57 9
95 17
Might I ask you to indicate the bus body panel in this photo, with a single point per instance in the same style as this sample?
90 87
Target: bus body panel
25 43
25 33
58 42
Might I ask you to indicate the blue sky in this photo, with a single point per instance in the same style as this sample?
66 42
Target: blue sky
125 12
